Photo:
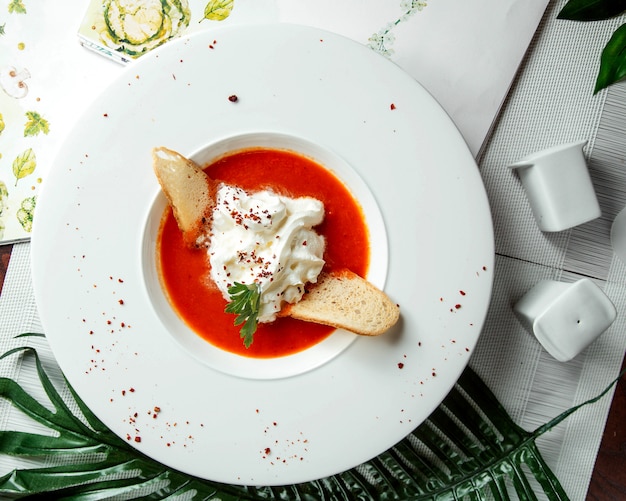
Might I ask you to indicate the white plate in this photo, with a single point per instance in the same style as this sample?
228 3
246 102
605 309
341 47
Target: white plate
89 255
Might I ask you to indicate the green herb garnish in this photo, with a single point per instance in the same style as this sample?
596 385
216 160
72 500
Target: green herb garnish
244 302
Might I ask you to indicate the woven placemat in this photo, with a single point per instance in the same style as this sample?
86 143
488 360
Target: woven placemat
552 103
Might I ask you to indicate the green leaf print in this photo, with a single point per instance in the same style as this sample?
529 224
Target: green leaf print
17 7
218 10
4 199
24 164
35 124
25 213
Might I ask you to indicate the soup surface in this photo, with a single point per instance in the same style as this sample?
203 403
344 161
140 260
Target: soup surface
185 273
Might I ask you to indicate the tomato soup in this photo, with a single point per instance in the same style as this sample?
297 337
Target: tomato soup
185 273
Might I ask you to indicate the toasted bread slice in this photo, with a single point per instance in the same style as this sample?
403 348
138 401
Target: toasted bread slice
345 300
189 191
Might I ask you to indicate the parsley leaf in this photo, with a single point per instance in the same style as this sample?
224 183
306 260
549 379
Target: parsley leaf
244 303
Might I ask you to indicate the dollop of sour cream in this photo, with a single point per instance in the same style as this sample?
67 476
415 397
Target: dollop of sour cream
267 239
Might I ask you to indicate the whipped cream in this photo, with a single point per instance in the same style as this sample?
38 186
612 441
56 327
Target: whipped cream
267 239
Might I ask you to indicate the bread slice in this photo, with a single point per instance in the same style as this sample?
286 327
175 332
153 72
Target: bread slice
345 300
189 191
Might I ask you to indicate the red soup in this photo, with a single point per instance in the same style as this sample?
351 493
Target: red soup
185 272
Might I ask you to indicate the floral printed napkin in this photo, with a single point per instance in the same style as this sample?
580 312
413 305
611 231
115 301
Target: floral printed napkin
44 85
21 124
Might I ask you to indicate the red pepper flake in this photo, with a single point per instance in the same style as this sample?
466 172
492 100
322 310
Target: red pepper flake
132 390
392 107
233 98
457 306
400 365
137 439
484 268
120 280
121 301
434 374
123 392
462 293
105 115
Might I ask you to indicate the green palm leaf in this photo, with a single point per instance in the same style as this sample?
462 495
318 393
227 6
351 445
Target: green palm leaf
469 448
591 10
612 60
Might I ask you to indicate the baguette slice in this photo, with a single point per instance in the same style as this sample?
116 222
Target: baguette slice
345 300
189 191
